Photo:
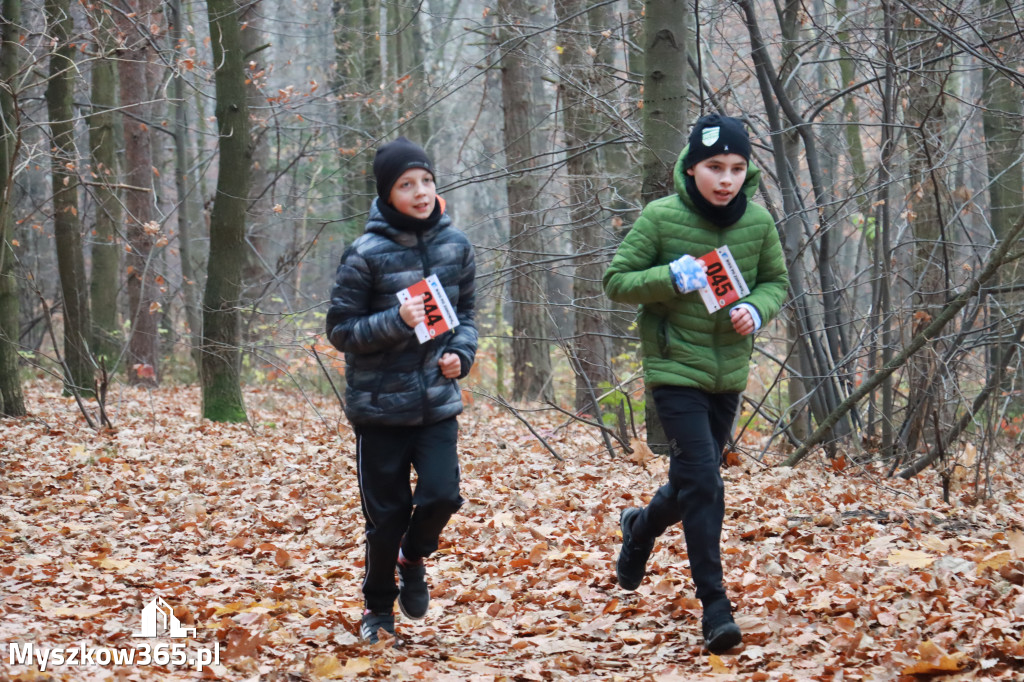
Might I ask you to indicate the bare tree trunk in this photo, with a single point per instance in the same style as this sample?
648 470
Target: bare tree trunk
64 172
260 242
851 115
186 192
590 344
820 349
666 117
141 230
407 69
222 356
357 59
12 399
1003 121
666 113
531 360
103 146
927 211
884 243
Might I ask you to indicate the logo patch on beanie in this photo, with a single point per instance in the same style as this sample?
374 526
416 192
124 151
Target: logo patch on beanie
709 136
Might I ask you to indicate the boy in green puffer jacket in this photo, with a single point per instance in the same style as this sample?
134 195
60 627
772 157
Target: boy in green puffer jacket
696 362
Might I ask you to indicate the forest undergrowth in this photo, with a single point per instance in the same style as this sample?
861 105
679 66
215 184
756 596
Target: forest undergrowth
252 534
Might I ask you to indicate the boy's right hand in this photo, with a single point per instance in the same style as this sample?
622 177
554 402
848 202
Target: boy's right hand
688 274
413 311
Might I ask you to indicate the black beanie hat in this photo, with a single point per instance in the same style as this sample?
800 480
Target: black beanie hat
393 159
714 134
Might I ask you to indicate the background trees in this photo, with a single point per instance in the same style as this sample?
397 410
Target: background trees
889 134
12 402
221 354
65 180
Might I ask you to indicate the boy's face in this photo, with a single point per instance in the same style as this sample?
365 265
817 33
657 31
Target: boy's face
719 178
413 193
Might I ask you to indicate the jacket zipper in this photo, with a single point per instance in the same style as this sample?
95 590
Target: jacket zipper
422 246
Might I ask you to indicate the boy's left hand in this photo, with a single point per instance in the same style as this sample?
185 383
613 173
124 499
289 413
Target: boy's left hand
451 365
742 321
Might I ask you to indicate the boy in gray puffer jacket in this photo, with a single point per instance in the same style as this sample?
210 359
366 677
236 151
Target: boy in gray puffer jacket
402 397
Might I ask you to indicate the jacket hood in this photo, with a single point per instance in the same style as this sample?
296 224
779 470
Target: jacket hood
750 184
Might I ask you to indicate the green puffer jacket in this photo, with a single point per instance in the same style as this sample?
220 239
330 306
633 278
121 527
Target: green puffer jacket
680 342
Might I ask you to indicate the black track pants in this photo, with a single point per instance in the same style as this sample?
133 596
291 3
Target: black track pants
385 457
697 425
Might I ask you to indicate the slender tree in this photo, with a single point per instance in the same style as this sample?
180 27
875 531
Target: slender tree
12 400
1003 121
531 359
929 69
222 355
406 49
666 112
104 142
260 242
580 78
816 350
184 183
64 175
666 117
357 68
140 207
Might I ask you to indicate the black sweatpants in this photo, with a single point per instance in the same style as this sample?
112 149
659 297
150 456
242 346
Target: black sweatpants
697 425
395 515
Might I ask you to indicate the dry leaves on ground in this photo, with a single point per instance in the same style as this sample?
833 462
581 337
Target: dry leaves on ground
252 534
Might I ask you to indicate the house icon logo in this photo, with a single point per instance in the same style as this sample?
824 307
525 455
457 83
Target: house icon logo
158 620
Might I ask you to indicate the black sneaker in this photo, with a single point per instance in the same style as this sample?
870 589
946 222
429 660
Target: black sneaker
413 593
632 563
720 631
374 622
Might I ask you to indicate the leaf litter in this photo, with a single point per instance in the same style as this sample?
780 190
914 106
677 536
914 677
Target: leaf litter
254 534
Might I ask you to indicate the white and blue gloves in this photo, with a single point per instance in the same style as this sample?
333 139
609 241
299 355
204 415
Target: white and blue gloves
688 274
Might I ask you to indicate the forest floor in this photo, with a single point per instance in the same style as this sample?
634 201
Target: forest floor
252 533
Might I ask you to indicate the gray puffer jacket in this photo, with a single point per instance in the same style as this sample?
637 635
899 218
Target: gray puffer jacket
391 379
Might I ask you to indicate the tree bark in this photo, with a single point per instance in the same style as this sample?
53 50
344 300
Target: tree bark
64 174
261 247
186 192
12 399
590 343
407 54
531 361
357 59
666 110
665 117
104 143
1003 123
927 209
141 229
222 356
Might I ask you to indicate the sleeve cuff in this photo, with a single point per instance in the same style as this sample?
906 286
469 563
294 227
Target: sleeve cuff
465 363
753 313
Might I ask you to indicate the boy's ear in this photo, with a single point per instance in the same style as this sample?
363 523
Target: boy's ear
689 171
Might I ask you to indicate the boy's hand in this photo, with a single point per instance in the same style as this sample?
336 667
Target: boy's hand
688 274
742 321
413 311
451 365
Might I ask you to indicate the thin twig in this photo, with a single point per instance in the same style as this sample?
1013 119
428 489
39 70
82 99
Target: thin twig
101 394
327 374
607 430
69 382
515 413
